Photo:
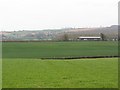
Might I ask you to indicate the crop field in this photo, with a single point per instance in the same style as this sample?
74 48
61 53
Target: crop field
58 49
23 68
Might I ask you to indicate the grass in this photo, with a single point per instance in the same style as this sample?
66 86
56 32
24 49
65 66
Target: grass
83 73
58 49
23 68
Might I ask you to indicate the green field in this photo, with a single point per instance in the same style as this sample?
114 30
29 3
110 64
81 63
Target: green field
36 73
23 68
58 49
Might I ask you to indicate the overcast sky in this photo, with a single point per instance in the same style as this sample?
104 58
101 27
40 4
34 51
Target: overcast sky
48 14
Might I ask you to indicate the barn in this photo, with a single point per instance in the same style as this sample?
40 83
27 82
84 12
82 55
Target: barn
90 38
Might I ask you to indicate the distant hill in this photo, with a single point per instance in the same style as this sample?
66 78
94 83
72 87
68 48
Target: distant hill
53 34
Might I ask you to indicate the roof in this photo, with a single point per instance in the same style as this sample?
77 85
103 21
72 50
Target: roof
91 37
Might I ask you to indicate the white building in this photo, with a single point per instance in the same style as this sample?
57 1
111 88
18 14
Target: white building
90 38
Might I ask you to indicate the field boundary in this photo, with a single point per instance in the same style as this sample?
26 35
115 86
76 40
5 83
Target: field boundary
80 57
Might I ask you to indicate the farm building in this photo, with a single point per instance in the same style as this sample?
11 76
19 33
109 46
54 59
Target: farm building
90 38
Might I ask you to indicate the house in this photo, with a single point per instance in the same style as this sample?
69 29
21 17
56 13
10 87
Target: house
90 38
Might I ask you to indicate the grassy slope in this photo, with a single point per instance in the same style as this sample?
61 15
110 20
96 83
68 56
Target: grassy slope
31 72
57 49
35 73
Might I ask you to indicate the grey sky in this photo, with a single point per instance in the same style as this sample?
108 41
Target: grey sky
47 14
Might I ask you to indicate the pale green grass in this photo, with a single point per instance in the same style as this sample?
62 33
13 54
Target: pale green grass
83 73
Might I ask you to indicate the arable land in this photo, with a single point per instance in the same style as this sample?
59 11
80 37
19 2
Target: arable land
23 67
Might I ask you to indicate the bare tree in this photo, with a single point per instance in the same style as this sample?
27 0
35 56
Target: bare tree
65 37
102 36
62 37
